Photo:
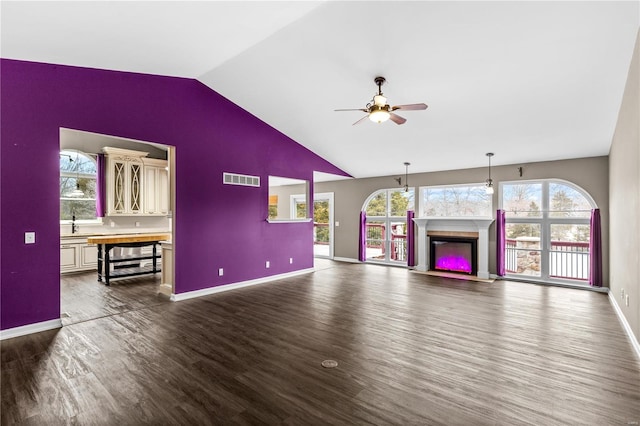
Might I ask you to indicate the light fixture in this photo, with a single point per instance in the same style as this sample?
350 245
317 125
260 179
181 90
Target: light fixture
406 176
489 185
378 113
76 193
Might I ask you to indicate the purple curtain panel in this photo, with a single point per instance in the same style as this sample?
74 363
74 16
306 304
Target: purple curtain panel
411 252
362 246
595 250
100 185
500 241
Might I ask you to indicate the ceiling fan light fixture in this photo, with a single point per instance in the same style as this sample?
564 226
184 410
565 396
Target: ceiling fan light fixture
379 100
379 115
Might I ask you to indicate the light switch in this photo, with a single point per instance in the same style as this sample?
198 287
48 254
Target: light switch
29 237
337 223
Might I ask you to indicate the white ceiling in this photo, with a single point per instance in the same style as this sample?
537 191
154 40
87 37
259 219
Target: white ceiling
530 81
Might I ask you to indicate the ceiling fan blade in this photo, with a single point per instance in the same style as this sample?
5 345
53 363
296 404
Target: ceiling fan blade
409 107
352 109
397 119
361 120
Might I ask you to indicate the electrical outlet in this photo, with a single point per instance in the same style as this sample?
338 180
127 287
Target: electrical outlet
337 223
290 260
29 237
626 300
220 272
137 224
267 264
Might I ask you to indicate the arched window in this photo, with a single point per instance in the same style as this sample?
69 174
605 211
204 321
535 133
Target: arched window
77 186
386 225
547 229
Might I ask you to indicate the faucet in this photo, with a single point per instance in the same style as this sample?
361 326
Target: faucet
73 224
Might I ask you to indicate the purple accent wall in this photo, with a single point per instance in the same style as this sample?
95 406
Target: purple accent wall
216 225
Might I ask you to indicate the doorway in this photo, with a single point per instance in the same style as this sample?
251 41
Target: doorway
323 225
83 215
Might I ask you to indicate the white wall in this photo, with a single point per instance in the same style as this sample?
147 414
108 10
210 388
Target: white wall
624 194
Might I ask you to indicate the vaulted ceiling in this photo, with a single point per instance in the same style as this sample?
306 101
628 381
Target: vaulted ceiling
530 81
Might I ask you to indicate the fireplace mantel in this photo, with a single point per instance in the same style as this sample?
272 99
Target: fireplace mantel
472 224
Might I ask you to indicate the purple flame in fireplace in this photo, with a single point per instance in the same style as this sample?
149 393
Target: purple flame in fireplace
454 263
454 256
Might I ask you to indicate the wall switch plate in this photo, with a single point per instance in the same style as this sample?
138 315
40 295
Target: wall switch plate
626 300
29 237
291 261
622 293
220 272
337 223
267 264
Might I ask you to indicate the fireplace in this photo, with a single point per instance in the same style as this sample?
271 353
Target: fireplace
453 254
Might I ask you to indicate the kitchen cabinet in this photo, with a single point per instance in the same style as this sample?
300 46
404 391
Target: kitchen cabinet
77 255
156 187
125 181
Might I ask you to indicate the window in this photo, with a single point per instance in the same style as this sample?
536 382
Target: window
386 226
547 230
77 171
456 201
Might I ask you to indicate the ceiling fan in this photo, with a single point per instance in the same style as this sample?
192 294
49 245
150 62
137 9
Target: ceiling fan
378 110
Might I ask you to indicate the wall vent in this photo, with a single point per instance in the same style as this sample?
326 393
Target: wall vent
243 180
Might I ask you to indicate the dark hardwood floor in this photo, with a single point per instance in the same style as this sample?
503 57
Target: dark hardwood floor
83 298
411 350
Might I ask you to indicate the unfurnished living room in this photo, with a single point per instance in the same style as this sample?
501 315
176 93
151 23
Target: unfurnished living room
320 212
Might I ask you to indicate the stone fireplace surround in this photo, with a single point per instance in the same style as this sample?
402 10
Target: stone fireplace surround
454 225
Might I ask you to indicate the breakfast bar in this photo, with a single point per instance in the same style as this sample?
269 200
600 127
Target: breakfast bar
127 265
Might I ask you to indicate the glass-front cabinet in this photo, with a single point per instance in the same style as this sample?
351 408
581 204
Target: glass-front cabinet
124 181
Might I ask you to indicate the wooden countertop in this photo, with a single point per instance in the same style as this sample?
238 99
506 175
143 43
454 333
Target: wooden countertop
128 238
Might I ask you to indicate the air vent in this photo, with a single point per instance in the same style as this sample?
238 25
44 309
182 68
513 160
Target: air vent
242 180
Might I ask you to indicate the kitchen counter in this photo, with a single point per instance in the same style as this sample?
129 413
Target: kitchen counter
128 238
127 265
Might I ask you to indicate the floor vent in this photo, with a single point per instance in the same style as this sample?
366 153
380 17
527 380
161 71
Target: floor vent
329 363
242 180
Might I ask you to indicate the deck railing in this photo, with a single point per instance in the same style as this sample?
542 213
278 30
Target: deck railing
567 259
376 235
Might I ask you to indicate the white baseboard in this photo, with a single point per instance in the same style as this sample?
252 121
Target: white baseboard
212 290
625 324
30 328
346 259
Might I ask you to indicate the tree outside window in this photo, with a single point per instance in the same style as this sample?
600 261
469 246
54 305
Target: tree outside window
77 171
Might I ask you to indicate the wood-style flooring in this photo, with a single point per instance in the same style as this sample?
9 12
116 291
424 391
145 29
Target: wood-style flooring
83 298
412 349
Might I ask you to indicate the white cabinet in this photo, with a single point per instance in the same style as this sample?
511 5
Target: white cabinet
156 187
69 257
125 181
77 255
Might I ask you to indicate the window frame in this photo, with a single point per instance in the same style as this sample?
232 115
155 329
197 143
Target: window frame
423 203
387 219
545 221
64 173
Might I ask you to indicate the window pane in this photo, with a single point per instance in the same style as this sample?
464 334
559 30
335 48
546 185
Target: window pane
375 240
83 209
378 205
457 201
77 162
522 249
569 254
522 200
564 201
401 202
399 241
301 209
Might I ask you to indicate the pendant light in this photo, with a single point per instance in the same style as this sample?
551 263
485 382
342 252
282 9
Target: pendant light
489 185
406 176
76 193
